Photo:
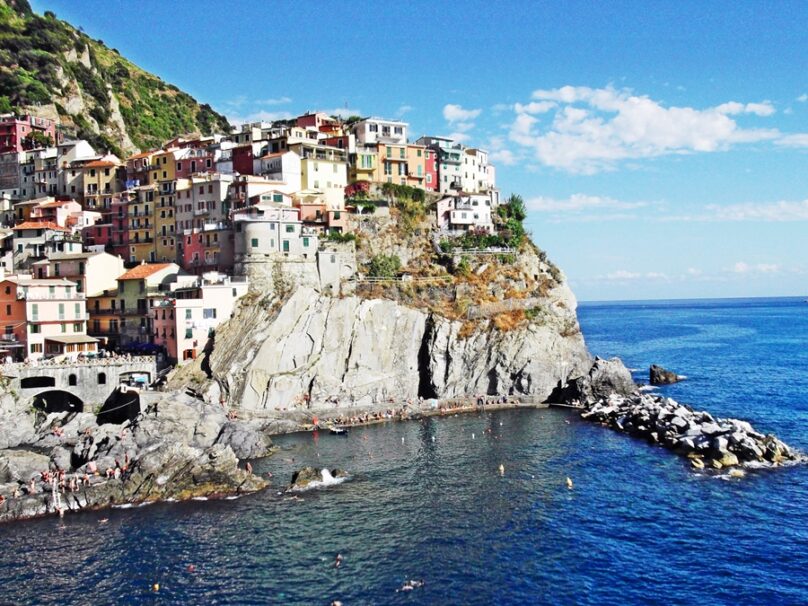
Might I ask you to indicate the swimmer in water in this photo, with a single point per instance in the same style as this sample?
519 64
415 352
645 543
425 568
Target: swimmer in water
338 561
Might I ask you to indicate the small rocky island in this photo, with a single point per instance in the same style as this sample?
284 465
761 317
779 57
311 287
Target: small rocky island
661 376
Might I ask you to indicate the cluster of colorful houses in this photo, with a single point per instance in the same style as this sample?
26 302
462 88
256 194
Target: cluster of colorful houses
100 252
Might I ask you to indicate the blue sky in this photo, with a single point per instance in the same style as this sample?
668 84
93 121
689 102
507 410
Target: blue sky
662 147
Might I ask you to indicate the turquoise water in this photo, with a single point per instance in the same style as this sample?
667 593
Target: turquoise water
426 500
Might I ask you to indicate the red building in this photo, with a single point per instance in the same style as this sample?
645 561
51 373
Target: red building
194 161
431 170
243 156
119 226
99 234
15 129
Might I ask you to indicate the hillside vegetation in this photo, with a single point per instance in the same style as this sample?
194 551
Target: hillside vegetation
56 70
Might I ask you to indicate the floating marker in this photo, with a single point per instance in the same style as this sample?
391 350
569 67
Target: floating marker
472 437
569 483
501 469
156 587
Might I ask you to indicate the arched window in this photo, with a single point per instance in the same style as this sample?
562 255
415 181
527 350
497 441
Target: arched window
102 378
71 380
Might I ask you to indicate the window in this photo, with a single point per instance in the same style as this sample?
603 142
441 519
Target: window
418 153
56 270
209 313
401 152
64 327
71 379
254 242
305 241
290 229
61 311
78 311
78 327
34 328
36 347
188 314
189 333
8 310
389 151
102 378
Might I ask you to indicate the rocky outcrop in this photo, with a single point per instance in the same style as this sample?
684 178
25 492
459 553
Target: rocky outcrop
709 442
605 377
661 376
178 448
311 477
311 350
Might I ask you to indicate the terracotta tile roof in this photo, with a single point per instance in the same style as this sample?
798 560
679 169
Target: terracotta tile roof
40 225
144 270
100 164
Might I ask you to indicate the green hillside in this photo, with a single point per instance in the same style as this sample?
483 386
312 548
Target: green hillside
50 67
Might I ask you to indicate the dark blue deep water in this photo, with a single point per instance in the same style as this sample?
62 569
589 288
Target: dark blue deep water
426 500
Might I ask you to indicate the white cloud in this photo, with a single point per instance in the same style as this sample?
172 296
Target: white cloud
755 268
734 108
769 212
261 116
579 202
803 98
458 136
595 129
275 101
535 107
342 112
463 127
455 113
403 109
795 140
693 271
623 275
503 156
498 108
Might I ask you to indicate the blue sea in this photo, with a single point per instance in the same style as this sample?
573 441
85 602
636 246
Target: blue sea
426 500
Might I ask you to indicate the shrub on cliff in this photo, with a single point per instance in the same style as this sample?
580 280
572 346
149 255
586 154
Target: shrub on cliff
384 266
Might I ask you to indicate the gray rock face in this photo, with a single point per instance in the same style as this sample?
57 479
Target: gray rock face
661 376
604 377
317 349
21 465
16 423
246 441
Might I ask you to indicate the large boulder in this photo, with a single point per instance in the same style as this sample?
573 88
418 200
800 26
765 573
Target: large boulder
303 478
608 377
21 465
661 376
247 442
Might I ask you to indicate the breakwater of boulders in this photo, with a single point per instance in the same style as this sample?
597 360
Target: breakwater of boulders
709 442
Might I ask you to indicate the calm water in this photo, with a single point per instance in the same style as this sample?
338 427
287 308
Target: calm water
426 500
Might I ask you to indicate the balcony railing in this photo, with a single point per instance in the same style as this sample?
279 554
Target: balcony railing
50 296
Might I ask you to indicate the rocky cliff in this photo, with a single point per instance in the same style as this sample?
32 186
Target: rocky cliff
449 327
56 71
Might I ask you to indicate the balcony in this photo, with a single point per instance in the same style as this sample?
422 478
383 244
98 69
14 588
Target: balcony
50 296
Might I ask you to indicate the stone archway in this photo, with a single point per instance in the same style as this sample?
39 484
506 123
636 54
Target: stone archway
57 400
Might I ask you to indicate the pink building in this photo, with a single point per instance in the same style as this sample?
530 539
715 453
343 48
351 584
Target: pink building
43 318
15 129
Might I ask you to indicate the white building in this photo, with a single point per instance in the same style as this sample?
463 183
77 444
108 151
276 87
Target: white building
270 229
477 174
283 166
467 212
371 131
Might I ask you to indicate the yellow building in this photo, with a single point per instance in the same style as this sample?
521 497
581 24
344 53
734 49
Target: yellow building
364 164
101 180
323 169
142 246
416 165
393 162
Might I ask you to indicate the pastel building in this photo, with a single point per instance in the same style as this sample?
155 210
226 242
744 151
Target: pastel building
378 130
185 319
466 212
138 289
271 229
449 162
43 318
323 170
92 272
16 132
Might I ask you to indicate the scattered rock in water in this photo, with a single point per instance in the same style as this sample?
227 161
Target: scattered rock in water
662 376
311 477
707 441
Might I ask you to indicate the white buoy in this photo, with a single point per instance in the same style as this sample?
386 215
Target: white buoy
433 438
501 469
569 483
402 439
472 437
